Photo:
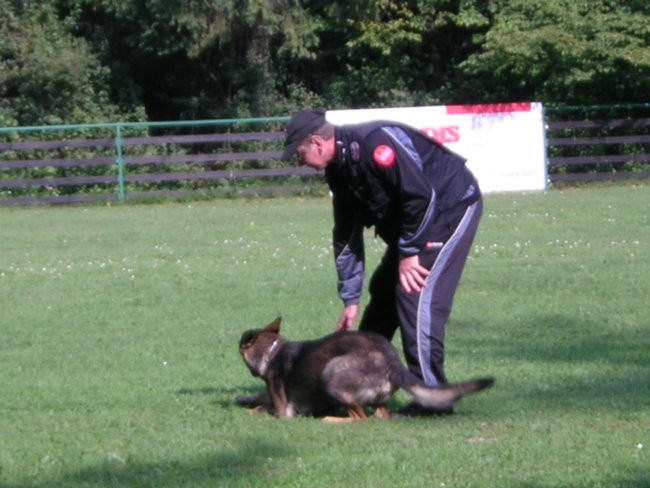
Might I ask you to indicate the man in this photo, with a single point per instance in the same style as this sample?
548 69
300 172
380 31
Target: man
423 202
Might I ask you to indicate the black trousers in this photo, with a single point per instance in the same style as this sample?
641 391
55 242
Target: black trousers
422 316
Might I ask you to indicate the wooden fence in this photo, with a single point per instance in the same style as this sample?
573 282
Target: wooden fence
600 149
86 169
71 164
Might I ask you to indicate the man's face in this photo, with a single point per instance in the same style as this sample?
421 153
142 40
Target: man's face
313 153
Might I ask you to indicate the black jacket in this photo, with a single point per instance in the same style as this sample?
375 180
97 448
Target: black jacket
397 179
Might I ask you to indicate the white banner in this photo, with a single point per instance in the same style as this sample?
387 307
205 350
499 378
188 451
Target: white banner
503 143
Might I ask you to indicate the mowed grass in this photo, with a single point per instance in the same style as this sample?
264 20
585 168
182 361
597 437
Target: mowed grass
119 364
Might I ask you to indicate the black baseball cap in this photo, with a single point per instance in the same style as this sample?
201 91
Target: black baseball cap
301 125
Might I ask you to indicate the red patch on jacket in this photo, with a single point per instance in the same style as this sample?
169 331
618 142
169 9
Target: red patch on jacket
384 156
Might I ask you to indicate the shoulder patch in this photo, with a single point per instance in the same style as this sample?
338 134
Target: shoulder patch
384 156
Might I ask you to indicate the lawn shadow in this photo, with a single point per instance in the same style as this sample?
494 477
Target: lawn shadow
229 465
566 350
569 339
641 480
225 396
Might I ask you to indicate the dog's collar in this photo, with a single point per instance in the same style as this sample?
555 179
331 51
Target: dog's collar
268 356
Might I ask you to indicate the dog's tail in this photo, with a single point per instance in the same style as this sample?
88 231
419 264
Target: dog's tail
441 397
444 397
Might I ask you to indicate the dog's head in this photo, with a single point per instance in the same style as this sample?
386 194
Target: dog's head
259 346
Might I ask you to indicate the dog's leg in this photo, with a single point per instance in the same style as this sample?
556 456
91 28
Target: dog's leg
281 405
258 409
337 420
355 414
381 412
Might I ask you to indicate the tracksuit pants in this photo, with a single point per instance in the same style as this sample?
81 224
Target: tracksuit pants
422 316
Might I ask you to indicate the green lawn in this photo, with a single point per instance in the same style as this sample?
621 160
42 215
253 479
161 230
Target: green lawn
119 365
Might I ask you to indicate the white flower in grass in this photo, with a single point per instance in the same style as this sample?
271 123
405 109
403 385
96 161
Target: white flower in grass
115 459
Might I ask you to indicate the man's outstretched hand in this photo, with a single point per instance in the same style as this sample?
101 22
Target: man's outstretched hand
348 318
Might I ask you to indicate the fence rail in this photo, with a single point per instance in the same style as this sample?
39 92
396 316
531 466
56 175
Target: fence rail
140 166
113 162
619 148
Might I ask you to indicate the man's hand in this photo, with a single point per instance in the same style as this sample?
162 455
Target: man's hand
348 317
412 275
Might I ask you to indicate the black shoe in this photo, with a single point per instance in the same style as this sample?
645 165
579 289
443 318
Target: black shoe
416 410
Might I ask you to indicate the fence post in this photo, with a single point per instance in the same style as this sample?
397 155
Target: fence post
120 162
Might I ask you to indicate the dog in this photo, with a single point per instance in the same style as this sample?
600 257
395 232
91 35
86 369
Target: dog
352 370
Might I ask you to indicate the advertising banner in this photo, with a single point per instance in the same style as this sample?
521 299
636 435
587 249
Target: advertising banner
504 144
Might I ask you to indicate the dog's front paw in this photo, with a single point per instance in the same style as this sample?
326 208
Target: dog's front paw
257 410
258 400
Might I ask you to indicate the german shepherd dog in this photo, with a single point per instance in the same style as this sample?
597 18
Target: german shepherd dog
346 369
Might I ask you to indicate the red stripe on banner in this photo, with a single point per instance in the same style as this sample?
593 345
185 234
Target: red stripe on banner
496 108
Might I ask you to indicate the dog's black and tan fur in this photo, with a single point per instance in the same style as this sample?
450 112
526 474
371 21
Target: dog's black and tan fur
347 369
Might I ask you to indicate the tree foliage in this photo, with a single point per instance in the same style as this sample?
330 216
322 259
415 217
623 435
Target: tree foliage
47 75
563 51
196 59
387 52
72 61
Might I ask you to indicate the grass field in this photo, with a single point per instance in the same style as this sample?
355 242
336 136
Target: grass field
119 364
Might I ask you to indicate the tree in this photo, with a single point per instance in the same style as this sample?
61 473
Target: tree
48 76
562 52
93 60
387 52
197 59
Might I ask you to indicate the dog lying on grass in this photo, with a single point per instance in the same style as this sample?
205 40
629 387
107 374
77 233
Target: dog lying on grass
353 370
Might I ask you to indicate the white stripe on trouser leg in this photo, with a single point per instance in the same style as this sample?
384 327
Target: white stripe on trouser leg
424 319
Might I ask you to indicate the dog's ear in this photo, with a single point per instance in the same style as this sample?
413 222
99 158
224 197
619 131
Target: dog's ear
248 338
274 326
